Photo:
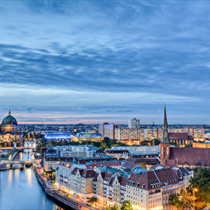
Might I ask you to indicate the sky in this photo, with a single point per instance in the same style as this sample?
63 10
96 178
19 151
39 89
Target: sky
94 61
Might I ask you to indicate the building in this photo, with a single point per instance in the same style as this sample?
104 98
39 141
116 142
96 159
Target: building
125 134
201 145
152 189
131 167
77 148
148 162
140 150
117 153
82 183
108 130
180 138
89 137
109 188
181 156
134 123
66 153
9 130
207 134
148 191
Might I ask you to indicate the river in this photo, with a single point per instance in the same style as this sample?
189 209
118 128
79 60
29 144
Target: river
19 189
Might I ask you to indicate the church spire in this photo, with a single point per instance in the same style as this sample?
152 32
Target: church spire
9 113
165 138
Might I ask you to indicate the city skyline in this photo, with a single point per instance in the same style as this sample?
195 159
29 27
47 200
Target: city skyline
105 61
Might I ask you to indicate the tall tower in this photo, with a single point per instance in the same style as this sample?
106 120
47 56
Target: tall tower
165 142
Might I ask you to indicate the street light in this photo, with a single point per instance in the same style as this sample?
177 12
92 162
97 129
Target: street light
194 190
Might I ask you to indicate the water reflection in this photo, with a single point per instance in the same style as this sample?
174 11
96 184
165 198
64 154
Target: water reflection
19 189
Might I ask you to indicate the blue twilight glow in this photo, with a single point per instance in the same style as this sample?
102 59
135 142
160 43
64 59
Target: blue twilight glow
58 136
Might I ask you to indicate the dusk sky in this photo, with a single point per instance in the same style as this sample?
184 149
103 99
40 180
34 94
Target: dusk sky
94 61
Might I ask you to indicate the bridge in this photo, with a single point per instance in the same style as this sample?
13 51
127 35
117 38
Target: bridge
7 148
27 163
20 161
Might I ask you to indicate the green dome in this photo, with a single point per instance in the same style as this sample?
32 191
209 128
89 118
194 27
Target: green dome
9 120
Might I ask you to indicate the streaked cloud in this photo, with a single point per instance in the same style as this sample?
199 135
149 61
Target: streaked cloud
105 59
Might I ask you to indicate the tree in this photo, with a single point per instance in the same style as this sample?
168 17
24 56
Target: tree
201 181
126 205
189 145
93 200
115 207
182 200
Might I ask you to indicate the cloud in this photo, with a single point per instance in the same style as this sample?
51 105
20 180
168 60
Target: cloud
128 52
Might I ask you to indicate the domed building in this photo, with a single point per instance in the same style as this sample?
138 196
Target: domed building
9 124
8 131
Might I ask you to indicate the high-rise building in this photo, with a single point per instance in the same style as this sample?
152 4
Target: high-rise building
134 123
108 130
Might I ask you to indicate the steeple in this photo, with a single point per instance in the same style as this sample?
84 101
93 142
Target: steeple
165 138
9 113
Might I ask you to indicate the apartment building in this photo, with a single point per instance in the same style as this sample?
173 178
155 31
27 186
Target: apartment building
82 183
66 153
134 123
76 148
140 150
111 187
123 134
108 130
152 189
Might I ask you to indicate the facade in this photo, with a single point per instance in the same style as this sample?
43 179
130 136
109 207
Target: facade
66 153
111 187
123 134
180 138
107 130
134 123
140 150
201 145
148 191
82 183
118 153
8 131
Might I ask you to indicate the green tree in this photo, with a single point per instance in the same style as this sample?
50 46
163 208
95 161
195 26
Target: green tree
126 205
182 200
93 200
201 182
115 207
189 145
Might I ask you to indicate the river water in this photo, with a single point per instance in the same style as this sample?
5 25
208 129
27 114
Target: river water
19 189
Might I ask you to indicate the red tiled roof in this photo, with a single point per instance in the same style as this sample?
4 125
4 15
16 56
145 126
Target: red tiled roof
129 164
179 136
149 161
155 178
84 172
190 156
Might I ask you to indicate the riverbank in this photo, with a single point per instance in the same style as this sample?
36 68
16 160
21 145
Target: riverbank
58 195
